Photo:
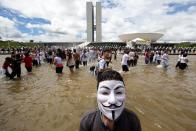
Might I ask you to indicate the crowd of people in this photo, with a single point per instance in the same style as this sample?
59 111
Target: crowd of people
34 57
171 50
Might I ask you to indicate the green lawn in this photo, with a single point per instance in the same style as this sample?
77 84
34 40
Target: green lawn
13 44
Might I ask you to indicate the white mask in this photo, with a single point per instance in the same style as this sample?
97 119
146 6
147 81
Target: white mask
110 98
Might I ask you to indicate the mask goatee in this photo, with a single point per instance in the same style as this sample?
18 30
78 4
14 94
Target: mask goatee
113 115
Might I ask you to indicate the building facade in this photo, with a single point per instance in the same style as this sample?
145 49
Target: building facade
93 27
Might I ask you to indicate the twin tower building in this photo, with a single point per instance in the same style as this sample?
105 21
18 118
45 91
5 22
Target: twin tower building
94 17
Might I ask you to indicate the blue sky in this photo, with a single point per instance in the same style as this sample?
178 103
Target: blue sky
109 4
180 7
58 20
21 21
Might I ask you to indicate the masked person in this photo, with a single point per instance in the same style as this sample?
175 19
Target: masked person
111 114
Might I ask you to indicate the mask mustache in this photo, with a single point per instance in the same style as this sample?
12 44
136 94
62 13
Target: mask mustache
113 106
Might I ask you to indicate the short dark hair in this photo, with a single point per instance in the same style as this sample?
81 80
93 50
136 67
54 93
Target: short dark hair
185 55
109 75
27 53
17 56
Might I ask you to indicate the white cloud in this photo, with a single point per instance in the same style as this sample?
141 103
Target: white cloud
8 30
150 16
67 19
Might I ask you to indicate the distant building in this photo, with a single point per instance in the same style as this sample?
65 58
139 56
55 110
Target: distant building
91 25
151 37
60 44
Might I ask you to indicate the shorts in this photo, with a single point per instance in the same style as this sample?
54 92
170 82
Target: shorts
125 68
182 66
128 62
35 63
29 69
71 66
59 69
84 63
158 62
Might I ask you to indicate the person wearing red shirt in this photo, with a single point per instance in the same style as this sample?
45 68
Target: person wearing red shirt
6 65
28 62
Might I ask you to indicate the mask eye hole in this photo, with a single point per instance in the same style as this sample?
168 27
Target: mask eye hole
105 93
119 93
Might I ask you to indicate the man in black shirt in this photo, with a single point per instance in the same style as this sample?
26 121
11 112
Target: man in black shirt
16 66
111 114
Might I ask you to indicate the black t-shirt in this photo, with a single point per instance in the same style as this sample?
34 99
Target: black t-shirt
128 121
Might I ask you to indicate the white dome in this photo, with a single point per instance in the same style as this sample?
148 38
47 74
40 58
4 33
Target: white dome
152 37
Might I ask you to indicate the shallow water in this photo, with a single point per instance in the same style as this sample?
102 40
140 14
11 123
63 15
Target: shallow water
43 101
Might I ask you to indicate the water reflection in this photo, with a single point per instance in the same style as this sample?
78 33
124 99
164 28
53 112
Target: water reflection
42 100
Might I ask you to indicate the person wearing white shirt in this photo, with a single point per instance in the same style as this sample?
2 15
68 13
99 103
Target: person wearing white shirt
183 61
102 65
165 60
124 64
131 57
102 62
84 58
179 56
59 64
158 57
